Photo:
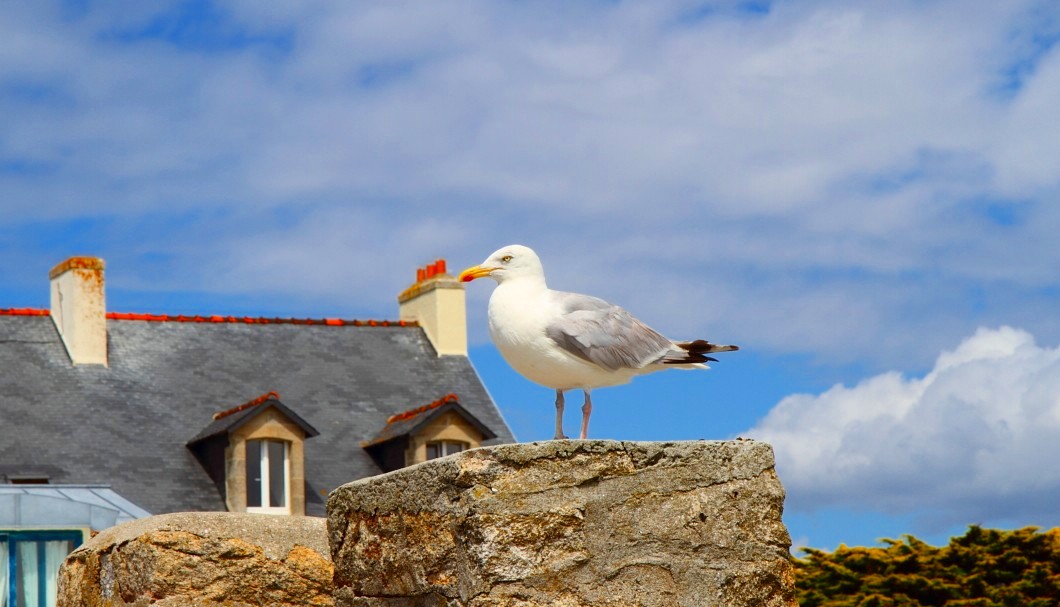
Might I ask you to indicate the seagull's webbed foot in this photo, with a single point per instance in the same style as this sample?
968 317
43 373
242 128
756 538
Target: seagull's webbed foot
587 408
559 416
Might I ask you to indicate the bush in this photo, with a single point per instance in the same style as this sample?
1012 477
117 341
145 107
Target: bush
982 568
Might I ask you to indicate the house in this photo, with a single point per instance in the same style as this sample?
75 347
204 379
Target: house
107 416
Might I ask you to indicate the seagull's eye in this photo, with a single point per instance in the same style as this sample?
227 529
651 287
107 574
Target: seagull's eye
506 258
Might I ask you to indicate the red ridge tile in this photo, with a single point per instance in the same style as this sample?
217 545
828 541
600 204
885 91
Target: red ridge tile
24 312
448 398
252 403
248 320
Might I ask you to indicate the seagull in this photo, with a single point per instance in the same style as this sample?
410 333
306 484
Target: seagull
568 341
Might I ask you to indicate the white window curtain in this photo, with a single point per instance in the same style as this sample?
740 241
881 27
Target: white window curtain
27 575
35 559
54 554
3 573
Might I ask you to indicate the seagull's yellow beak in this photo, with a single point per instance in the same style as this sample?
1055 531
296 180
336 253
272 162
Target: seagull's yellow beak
475 272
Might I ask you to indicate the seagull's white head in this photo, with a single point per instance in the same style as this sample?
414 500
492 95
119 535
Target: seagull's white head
507 263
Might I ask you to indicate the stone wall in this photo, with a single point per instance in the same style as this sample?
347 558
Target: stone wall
558 523
567 523
202 559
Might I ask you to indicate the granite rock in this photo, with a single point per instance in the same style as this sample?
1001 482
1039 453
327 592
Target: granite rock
567 523
202 559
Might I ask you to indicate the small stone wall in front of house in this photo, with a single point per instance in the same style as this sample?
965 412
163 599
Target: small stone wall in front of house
556 524
202 559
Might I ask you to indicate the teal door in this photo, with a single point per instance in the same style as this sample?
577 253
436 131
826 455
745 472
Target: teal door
29 565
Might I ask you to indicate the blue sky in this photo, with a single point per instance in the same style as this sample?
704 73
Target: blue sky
865 196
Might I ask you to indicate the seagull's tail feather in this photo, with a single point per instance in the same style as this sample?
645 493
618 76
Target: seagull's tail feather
695 352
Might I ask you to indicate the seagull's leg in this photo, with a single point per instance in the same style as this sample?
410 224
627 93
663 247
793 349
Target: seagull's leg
587 408
559 415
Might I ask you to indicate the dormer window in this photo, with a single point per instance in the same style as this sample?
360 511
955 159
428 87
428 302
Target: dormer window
434 430
268 476
255 455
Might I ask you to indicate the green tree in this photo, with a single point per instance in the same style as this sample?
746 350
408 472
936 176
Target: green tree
982 568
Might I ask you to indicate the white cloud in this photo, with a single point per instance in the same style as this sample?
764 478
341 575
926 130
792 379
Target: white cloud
976 439
823 165
1028 156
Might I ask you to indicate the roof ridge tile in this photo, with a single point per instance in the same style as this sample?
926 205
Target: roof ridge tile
448 398
270 395
24 312
215 318
247 320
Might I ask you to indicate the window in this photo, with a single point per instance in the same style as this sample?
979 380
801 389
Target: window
27 479
444 447
29 566
268 482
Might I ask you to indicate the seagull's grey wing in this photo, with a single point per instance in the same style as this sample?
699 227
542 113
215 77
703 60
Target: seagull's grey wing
605 334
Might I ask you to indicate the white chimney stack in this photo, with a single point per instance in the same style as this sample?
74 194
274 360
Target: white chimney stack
436 302
79 309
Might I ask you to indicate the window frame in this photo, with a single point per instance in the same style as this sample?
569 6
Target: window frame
443 451
9 540
266 480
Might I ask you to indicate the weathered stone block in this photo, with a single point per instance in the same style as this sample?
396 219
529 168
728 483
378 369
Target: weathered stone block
567 523
202 559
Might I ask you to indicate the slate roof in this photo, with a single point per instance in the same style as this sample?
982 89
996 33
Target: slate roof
127 425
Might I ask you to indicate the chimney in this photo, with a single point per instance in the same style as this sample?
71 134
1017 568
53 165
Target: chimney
79 309
436 302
